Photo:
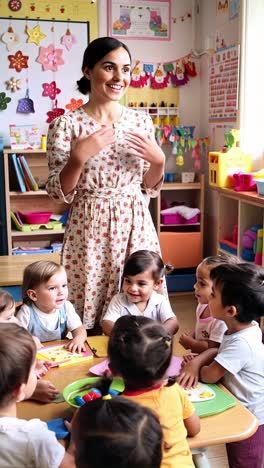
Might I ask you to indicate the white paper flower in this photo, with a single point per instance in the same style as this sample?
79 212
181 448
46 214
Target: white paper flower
13 84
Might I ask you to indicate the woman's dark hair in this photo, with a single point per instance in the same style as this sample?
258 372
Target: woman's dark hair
95 51
242 286
139 350
6 300
144 260
17 354
116 433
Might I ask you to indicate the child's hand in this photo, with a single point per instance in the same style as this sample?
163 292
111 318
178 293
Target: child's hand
42 367
186 340
44 391
188 357
189 375
38 344
76 345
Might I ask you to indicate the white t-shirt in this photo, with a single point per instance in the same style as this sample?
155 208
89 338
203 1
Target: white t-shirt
158 308
28 444
208 328
50 321
242 355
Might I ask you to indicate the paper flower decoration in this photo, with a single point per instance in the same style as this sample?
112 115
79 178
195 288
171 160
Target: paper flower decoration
35 35
10 38
159 80
14 5
13 84
56 112
74 104
68 40
50 89
18 61
50 58
4 100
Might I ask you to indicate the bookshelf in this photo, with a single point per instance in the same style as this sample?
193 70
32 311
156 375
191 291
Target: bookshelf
29 201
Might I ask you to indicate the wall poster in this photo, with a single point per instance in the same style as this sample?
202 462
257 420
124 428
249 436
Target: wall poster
139 19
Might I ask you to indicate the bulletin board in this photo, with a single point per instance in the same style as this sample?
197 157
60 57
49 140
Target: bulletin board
50 83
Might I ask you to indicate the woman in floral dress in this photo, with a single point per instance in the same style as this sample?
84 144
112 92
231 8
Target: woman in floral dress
101 156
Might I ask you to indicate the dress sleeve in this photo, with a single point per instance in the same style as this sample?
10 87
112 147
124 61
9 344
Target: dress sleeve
73 319
152 192
58 152
23 316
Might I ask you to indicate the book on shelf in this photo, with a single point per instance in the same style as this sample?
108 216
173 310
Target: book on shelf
23 175
31 181
16 176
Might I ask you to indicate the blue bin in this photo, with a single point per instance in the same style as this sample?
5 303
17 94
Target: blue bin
181 280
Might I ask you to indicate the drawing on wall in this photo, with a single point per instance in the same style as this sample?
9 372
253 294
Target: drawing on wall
133 19
233 9
222 6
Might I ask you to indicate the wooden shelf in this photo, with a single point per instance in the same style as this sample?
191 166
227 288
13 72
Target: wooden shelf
38 232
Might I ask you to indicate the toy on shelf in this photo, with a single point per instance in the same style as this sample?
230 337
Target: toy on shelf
230 244
249 243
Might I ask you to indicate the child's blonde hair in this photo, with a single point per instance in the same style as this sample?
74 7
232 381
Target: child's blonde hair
36 274
6 300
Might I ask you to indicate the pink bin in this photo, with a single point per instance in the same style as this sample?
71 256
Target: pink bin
176 218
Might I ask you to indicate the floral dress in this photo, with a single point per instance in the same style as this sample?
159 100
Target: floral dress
109 218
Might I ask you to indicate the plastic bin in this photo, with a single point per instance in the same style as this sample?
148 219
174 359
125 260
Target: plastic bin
180 280
176 218
181 249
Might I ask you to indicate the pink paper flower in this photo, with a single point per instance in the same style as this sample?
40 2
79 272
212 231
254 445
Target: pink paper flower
50 89
50 58
68 40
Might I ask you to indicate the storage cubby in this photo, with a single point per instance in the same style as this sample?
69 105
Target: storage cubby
31 201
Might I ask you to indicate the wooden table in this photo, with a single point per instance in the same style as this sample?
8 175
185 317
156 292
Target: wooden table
234 424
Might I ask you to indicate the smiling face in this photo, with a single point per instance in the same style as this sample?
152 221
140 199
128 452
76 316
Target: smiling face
110 77
203 285
138 288
51 295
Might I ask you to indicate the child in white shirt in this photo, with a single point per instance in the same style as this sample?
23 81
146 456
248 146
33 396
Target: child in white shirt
23 443
46 313
142 279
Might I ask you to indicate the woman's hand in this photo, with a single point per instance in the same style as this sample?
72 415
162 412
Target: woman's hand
145 147
86 147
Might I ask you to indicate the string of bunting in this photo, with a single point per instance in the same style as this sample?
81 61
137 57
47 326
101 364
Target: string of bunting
181 18
182 140
176 72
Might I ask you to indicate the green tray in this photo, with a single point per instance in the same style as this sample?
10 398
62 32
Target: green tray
34 227
73 389
220 403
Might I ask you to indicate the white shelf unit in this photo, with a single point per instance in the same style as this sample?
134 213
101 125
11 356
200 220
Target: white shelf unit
31 201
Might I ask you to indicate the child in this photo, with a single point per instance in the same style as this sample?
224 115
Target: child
45 390
140 350
208 331
116 433
23 443
237 299
46 313
142 278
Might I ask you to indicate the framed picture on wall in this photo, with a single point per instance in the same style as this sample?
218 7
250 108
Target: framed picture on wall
139 19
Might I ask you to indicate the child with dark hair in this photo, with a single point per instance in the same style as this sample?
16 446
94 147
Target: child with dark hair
208 331
116 433
237 299
46 313
143 276
23 443
140 350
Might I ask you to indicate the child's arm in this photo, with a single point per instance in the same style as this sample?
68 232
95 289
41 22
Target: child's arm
77 343
171 325
192 425
196 346
212 373
107 326
190 371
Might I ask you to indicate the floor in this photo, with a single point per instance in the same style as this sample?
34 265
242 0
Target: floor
184 306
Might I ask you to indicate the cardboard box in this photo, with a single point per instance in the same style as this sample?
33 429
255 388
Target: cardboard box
24 137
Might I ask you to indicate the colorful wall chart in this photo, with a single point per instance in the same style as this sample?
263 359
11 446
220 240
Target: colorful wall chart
223 84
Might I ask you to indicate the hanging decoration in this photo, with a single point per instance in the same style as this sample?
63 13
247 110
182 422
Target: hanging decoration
4 100
190 68
14 5
25 105
35 35
74 104
55 112
159 80
68 40
179 77
139 78
13 84
18 61
50 58
10 38
50 90
181 18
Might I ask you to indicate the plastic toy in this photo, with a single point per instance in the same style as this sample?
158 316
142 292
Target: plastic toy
259 247
79 400
249 243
